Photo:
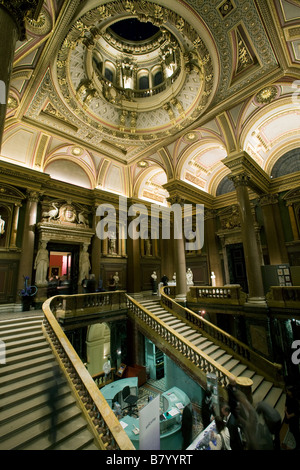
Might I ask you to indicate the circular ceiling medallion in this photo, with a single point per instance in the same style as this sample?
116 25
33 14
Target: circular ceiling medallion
77 151
266 95
141 84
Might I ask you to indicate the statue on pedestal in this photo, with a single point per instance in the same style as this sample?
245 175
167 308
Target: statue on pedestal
189 277
2 225
41 265
213 279
154 282
84 264
116 279
112 244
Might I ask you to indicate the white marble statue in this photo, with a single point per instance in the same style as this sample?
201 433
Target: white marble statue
154 282
84 264
213 279
112 243
41 265
116 279
189 277
2 225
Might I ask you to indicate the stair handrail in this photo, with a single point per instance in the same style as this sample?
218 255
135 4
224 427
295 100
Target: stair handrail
107 430
182 345
271 370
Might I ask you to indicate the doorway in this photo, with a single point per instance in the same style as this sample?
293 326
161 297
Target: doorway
237 266
63 267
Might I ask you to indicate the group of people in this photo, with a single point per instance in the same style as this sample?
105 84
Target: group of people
242 426
89 283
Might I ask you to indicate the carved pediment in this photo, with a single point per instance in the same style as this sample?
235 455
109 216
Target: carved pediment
65 213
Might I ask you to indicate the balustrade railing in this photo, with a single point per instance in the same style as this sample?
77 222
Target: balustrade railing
284 296
107 431
201 360
231 294
271 370
103 379
66 306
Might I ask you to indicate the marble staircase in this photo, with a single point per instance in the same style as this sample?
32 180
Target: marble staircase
25 416
262 389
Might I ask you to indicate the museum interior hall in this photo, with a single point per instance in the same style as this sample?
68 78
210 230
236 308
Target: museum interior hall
149 220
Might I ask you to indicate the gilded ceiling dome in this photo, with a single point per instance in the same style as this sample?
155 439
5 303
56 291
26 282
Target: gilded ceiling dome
135 70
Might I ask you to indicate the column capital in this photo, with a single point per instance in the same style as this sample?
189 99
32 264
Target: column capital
20 9
241 163
33 196
268 199
241 179
210 214
176 199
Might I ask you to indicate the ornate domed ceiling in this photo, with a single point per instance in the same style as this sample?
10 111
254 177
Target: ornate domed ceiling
175 85
131 89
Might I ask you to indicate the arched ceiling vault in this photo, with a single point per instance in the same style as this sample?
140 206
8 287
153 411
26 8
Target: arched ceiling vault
209 78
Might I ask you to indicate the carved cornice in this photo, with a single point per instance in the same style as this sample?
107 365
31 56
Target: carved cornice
268 199
20 9
189 193
240 163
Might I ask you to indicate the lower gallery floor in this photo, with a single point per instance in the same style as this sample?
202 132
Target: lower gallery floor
161 376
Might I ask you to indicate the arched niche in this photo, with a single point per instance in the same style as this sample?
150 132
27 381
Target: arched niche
97 347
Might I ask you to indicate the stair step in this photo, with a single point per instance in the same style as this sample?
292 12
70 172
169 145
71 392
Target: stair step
262 391
8 390
211 349
21 423
24 374
22 320
182 329
223 359
280 405
33 390
31 404
19 342
20 436
16 362
16 337
13 330
231 364
238 370
273 396
257 380
31 347
217 354
191 335
24 367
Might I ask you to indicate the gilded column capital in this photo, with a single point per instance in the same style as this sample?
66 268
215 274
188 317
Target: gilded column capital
268 199
240 180
20 9
176 199
33 196
210 214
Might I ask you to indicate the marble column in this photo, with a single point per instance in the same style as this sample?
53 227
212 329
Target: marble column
8 39
211 244
12 29
179 253
96 251
26 261
133 264
251 250
14 227
293 221
273 229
